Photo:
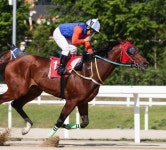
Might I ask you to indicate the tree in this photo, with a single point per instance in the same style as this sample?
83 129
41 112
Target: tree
6 22
142 21
41 44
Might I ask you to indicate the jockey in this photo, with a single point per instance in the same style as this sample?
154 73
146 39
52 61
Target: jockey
68 35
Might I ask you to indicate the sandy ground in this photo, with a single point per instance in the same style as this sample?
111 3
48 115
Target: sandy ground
94 134
85 139
83 145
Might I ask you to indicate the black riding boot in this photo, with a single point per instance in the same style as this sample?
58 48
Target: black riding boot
62 68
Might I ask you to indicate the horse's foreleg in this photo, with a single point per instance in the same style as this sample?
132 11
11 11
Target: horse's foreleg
67 109
83 110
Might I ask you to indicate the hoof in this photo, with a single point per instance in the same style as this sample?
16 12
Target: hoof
26 129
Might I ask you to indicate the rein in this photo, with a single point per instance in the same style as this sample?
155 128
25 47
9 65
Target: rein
115 63
104 59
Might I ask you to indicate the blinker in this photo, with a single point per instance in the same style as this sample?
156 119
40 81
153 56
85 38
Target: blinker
131 51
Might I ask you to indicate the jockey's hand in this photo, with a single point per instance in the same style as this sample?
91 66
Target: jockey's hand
87 39
95 52
90 56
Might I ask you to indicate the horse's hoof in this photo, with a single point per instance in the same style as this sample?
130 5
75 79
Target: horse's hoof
26 129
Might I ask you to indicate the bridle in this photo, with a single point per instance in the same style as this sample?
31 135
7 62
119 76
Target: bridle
124 56
124 46
128 51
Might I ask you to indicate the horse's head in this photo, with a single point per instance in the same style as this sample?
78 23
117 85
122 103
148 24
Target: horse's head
5 56
127 53
130 55
13 53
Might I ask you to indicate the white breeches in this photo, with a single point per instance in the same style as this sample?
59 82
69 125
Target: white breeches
65 44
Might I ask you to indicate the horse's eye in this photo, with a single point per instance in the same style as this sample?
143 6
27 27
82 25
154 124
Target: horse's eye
131 51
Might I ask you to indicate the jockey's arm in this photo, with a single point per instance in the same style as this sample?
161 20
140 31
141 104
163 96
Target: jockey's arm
88 47
76 39
76 36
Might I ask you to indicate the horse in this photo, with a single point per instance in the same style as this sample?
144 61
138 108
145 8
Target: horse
27 77
9 55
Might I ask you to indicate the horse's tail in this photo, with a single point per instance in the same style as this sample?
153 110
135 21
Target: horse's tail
3 66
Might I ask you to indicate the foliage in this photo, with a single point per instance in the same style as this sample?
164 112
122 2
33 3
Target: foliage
41 45
143 21
131 76
6 22
118 18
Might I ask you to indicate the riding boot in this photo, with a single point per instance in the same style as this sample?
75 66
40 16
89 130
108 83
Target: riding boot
62 68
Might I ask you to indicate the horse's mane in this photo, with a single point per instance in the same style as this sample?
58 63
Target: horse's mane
103 49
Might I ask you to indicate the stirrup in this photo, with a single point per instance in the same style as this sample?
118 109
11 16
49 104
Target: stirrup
63 71
66 72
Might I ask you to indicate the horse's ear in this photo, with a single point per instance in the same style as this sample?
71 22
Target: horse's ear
12 47
8 45
120 40
128 39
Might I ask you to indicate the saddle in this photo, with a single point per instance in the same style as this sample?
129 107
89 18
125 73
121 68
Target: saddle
74 62
55 61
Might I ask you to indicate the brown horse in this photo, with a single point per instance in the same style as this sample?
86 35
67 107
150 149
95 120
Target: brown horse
7 56
26 78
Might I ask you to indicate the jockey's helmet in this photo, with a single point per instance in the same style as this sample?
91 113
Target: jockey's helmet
94 24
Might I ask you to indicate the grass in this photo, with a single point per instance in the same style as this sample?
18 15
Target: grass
101 117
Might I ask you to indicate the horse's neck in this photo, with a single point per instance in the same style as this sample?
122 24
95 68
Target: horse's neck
104 68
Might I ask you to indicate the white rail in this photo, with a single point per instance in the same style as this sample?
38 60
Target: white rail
133 95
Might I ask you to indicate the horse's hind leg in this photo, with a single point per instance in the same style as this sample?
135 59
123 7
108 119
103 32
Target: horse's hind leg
19 103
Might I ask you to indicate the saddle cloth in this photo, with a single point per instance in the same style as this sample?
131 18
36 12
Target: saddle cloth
55 62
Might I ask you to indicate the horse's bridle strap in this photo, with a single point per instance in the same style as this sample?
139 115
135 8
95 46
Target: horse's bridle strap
87 78
98 71
91 77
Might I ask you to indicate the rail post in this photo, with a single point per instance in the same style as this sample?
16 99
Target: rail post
9 116
136 118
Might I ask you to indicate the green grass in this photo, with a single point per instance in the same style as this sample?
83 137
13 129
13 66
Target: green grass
101 117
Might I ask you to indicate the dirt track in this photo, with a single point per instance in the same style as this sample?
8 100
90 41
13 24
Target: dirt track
83 145
109 139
